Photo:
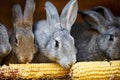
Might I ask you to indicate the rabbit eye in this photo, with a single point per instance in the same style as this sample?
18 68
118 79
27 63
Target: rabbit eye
111 37
56 44
16 42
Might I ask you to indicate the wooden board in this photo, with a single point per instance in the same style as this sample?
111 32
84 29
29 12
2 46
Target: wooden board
6 8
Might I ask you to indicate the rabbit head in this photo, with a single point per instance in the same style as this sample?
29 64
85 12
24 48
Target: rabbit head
5 46
108 31
59 44
23 41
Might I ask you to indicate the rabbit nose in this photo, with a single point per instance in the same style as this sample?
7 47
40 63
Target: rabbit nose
25 59
4 51
70 65
73 61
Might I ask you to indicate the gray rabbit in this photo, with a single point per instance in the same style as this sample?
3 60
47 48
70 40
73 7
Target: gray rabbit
98 38
53 36
22 41
5 46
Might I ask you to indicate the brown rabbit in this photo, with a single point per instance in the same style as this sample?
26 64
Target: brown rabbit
22 41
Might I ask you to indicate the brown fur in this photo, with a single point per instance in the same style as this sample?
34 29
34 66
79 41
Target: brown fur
22 40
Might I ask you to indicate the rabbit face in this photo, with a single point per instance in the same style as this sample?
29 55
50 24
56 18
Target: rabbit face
109 43
62 49
108 32
5 46
110 40
24 46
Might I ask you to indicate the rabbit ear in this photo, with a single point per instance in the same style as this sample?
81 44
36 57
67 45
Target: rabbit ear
52 14
105 11
69 14
17 13
96 20
29 10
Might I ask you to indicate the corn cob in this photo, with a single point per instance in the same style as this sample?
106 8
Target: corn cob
102 70
33 71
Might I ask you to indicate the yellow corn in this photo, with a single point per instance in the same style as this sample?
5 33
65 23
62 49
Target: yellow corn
33 71
96 70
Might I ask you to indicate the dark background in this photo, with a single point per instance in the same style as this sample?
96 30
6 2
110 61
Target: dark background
6 8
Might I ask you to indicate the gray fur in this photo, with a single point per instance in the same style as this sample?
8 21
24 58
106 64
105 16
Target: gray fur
5 46
54 40
96 42
105 11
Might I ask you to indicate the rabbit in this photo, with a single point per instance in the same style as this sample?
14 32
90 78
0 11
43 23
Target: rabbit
55 43
22 40
5 46
108 15
97 39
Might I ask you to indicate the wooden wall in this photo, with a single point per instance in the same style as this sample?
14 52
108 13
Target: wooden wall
6 6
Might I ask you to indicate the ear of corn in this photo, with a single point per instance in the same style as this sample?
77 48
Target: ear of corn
96 70
28 71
